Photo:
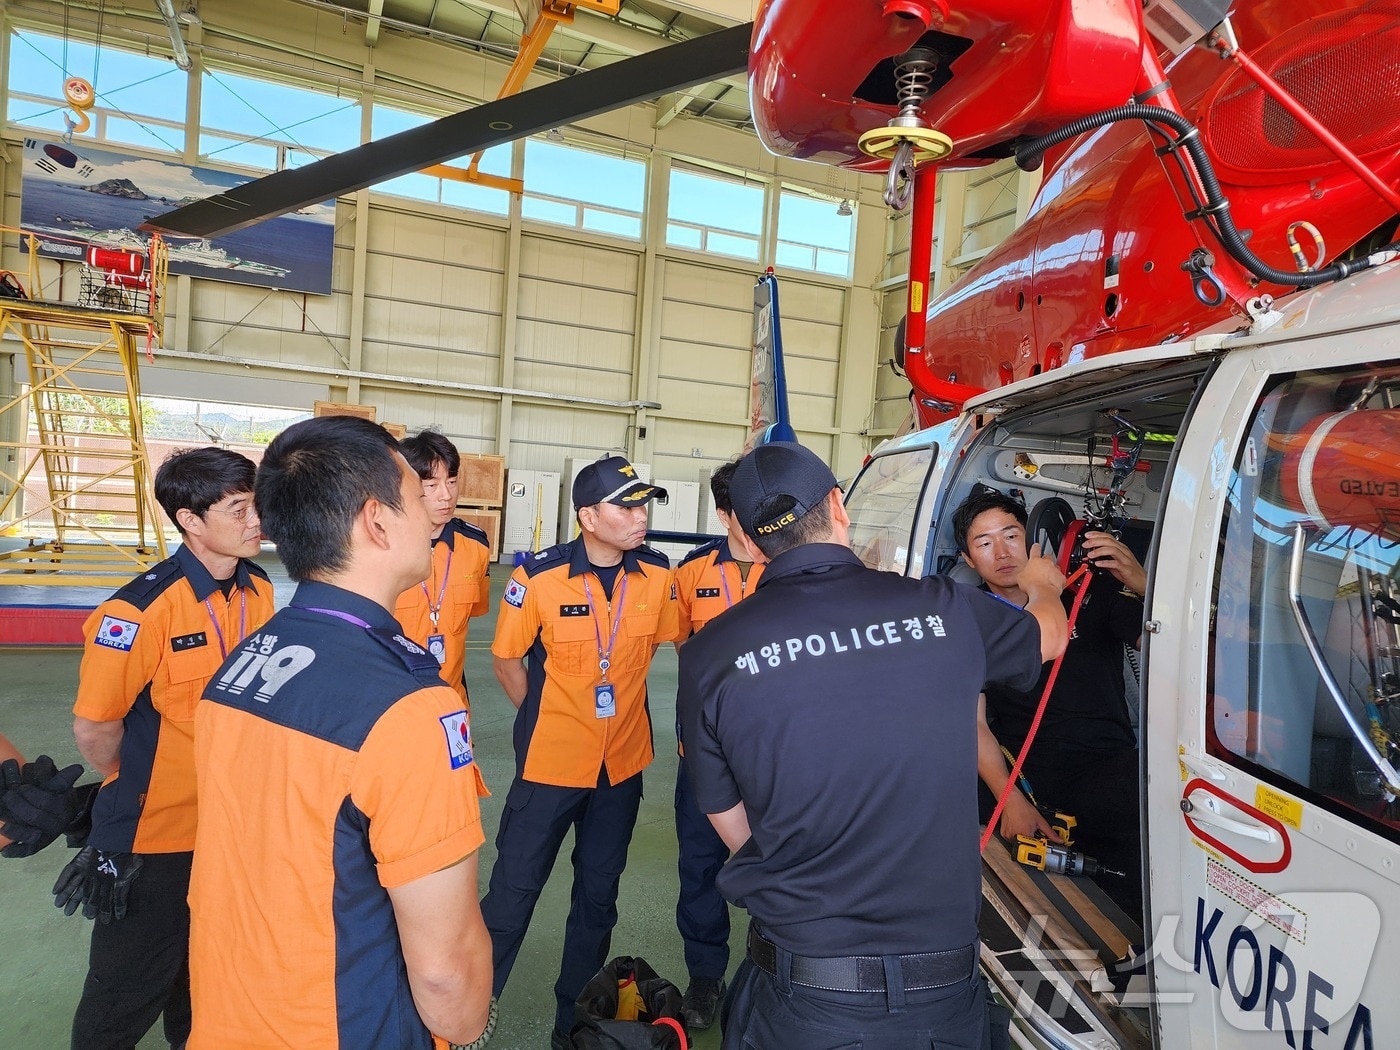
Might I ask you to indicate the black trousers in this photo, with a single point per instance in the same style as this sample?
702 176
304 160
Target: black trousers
139 966
534 821
702 914
763 1012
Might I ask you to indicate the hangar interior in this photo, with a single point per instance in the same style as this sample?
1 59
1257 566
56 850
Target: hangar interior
534 326
606 308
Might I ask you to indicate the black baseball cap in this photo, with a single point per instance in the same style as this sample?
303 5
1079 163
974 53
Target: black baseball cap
779 468
612 480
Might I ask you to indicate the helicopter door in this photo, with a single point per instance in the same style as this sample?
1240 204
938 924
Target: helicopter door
1273 821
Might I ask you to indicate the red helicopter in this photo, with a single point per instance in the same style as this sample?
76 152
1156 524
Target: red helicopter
1193 162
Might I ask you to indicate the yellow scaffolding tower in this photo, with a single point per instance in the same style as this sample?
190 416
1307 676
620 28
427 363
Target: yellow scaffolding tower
77 490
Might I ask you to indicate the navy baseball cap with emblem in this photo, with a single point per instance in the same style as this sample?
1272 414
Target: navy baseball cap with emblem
613 480
779 468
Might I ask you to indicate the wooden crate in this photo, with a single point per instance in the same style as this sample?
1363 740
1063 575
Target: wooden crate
398 431
336 408
486 519
481 481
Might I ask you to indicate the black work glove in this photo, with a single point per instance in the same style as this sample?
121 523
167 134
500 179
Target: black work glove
99 881
38 804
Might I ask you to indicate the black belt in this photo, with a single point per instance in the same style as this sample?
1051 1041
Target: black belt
866 973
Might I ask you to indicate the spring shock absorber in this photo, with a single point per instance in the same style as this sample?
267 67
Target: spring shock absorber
907 141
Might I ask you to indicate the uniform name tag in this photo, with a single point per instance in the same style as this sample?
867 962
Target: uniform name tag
459 738
188 641
573 610
604 701
707 592
116 634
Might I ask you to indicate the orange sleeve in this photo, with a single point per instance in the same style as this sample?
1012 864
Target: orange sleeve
685 592
122 648
415 780
519 619
668 625
482 605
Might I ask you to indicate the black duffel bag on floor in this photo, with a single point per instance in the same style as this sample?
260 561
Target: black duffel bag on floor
627 1006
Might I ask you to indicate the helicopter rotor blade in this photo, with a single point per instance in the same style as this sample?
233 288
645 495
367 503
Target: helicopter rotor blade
696 61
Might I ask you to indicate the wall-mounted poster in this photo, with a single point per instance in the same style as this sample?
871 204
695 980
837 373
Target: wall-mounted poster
74 196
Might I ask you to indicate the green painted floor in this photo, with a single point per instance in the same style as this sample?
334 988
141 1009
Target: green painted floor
45 953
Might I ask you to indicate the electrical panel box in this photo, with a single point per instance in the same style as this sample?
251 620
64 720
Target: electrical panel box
531 511
568 527
680 513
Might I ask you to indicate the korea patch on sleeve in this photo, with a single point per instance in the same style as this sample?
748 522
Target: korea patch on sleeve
459 738
117 634
515 593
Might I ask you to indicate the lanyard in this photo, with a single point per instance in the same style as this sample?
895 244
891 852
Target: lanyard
433 610
347 617
242 621
605 655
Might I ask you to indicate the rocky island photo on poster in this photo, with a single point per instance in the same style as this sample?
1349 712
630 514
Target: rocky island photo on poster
74 195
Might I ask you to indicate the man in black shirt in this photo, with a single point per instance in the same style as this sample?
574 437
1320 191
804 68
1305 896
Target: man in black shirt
1084 759
831 734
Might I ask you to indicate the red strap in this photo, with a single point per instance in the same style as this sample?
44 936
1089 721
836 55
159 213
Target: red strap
671 1022
1082 571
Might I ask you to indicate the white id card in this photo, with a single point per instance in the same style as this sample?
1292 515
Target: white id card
437 645
604 702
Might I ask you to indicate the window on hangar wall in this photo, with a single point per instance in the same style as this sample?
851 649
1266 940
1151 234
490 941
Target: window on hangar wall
140 98
813 235
715 213
583 188
390 120
256 123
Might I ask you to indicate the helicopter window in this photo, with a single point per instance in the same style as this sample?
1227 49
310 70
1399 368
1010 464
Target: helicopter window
1304 677
883 505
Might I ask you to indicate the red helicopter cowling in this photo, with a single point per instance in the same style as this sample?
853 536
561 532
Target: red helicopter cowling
820 71
1096 267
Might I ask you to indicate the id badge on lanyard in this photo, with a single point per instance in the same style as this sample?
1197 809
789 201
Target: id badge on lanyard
437 643
604 696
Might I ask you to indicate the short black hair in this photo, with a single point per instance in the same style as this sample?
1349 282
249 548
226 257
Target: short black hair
427 448
719 485
314 478
812 527
983 499
194 479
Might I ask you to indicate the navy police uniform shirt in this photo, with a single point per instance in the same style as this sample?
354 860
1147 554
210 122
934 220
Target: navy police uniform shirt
839 704
1088 710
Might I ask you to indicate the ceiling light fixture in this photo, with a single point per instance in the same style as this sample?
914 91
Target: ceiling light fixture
554 135
844 208
190 14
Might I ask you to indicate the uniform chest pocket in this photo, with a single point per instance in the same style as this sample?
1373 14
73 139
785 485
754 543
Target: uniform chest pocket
635 641
186 675
573 646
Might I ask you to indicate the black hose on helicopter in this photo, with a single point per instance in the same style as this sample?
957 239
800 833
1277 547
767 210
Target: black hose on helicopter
1216 209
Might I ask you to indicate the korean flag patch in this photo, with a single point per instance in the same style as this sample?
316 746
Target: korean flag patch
459 739
515 593
117 634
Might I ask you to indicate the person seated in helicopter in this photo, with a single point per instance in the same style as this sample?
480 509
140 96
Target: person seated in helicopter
1083 760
